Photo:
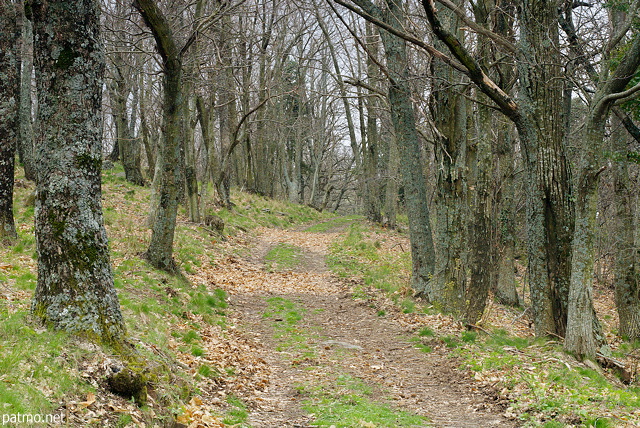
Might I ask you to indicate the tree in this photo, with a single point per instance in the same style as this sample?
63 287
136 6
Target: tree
25 139
75 291
404 124
9 96
449 111
537 117
123 93
581 336
169 160
626 268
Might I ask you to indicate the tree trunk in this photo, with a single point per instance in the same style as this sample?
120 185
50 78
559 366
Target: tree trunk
583 331
343 91
114 156
227 109
449 111
128 145
169 163
580 336
9 99
402 114
504 218
482 258
370 147
627 267
25 140
75 289
391 183
190 176
542 133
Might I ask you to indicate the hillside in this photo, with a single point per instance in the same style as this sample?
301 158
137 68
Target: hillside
290 318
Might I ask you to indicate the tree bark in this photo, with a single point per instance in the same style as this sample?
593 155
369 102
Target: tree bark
9 100
128 145
582 338
448 108
371 197
26 138
537 117
169 162
402 114
226 109
550 208
627 260
504 218
75 289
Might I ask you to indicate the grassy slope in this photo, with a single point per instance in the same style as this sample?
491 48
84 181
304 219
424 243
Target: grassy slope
170 320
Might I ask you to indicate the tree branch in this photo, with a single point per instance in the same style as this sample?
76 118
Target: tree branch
430 49
366 86
382 68
161 30
612 90
631 127
478 28
473 68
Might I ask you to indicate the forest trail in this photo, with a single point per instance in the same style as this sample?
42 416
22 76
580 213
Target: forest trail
316 338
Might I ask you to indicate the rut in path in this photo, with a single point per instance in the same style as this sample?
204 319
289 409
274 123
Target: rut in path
347 336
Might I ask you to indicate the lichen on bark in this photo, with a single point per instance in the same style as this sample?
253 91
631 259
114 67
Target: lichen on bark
75 291
9 94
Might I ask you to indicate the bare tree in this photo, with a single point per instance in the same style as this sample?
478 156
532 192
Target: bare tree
422 250
169 160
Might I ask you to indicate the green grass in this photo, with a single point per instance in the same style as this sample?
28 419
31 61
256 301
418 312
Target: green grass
426 332
545 391
333 223
39 368
549 389
348 402
238 414
359 256
251 211
286 315
417 342
282 256
34 365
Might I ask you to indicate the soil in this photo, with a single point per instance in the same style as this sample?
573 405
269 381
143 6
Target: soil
348 335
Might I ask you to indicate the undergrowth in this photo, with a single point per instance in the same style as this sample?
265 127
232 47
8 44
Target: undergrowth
346 401
360 256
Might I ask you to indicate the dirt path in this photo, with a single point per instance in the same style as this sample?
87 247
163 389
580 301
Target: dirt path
341 335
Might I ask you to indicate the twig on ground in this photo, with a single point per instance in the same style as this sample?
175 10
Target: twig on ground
400 245
519 316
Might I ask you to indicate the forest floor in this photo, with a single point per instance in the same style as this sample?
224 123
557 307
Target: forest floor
339 338
292 318
346 349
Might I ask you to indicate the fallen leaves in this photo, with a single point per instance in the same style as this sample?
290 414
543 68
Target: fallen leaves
91 398
240 276
196 414
236 368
